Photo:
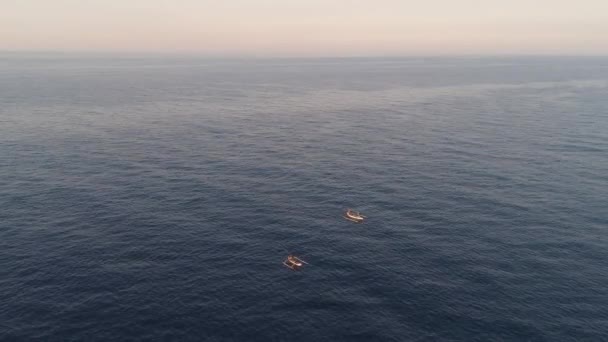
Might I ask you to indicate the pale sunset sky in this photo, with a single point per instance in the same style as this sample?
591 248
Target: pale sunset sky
307 27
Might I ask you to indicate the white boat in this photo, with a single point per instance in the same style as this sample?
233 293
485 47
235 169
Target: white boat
354 216
294 262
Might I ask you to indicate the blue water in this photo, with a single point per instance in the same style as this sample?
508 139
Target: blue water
149 198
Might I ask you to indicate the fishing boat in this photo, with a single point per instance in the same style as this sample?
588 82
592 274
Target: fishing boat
354 216
294 262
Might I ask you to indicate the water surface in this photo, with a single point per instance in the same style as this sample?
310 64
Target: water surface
155 198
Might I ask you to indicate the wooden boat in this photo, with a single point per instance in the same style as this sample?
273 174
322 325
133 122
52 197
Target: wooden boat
354 216
294 262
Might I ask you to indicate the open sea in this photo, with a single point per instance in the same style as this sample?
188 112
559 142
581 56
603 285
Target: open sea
155 199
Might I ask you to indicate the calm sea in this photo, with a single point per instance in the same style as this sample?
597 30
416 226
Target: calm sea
154 199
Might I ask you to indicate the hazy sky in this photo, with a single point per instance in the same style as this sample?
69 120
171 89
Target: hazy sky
308 27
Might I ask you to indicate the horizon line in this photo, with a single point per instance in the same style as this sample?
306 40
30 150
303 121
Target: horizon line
193 54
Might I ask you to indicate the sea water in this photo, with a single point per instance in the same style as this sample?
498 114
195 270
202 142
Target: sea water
155 198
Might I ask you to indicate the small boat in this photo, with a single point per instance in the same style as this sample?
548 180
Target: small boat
294 262
354 216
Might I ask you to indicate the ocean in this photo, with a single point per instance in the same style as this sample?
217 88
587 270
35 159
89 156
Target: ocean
154 198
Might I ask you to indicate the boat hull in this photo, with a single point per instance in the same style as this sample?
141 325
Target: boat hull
351 219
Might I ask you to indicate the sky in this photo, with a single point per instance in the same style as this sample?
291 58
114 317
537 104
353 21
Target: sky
308 27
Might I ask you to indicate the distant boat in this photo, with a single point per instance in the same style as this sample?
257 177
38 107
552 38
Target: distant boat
354 216
294 262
